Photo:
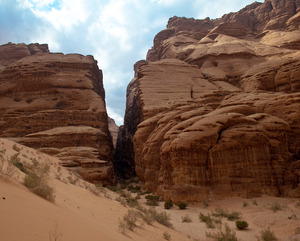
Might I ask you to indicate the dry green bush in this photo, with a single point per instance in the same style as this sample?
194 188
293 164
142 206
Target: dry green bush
151 214
223 235
15 160
130 220
182 205
267 235
37 180
241 224
210 222
168 204
152 200
220 212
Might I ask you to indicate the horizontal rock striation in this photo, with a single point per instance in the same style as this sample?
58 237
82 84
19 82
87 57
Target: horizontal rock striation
56 103
215 108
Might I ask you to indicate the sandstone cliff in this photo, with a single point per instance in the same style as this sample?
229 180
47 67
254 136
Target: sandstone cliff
215 108
114 130
56 103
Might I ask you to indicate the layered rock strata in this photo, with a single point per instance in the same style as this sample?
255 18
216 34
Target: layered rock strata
56 103
215 108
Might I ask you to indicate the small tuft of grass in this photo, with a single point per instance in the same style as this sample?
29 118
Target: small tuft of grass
205 204
276 207
166 236
267 235
186 219
209 221
245 204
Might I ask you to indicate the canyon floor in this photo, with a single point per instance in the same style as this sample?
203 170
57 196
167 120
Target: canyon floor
82 211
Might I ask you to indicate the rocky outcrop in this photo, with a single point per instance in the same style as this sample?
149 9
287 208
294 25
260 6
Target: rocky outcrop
114 130
214 110
56 103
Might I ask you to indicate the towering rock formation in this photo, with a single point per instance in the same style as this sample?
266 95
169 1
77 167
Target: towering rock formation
56 103
215 108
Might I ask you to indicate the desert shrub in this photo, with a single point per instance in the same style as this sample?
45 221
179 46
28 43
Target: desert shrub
220 212
131 219
15 160
276 207
166 236
113 188
134 189
168 204
267 235
151 214
233 216
160 217
241 224
152 200
182 205
254 202
209 221
245 204
148 218
121 200
186 219
37 181
131 201
226 235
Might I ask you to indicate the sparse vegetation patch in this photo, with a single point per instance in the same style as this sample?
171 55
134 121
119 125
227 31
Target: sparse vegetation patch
223 235
220 212
37 181
267 235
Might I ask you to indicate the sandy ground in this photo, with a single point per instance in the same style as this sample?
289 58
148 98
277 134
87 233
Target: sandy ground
79 214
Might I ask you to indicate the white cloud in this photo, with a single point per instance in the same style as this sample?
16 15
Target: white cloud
63 15
118 118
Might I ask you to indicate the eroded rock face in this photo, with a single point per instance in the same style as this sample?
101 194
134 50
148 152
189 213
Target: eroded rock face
215 108
114 130
56 103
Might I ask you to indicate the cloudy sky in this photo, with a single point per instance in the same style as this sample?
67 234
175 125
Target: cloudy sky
116 32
